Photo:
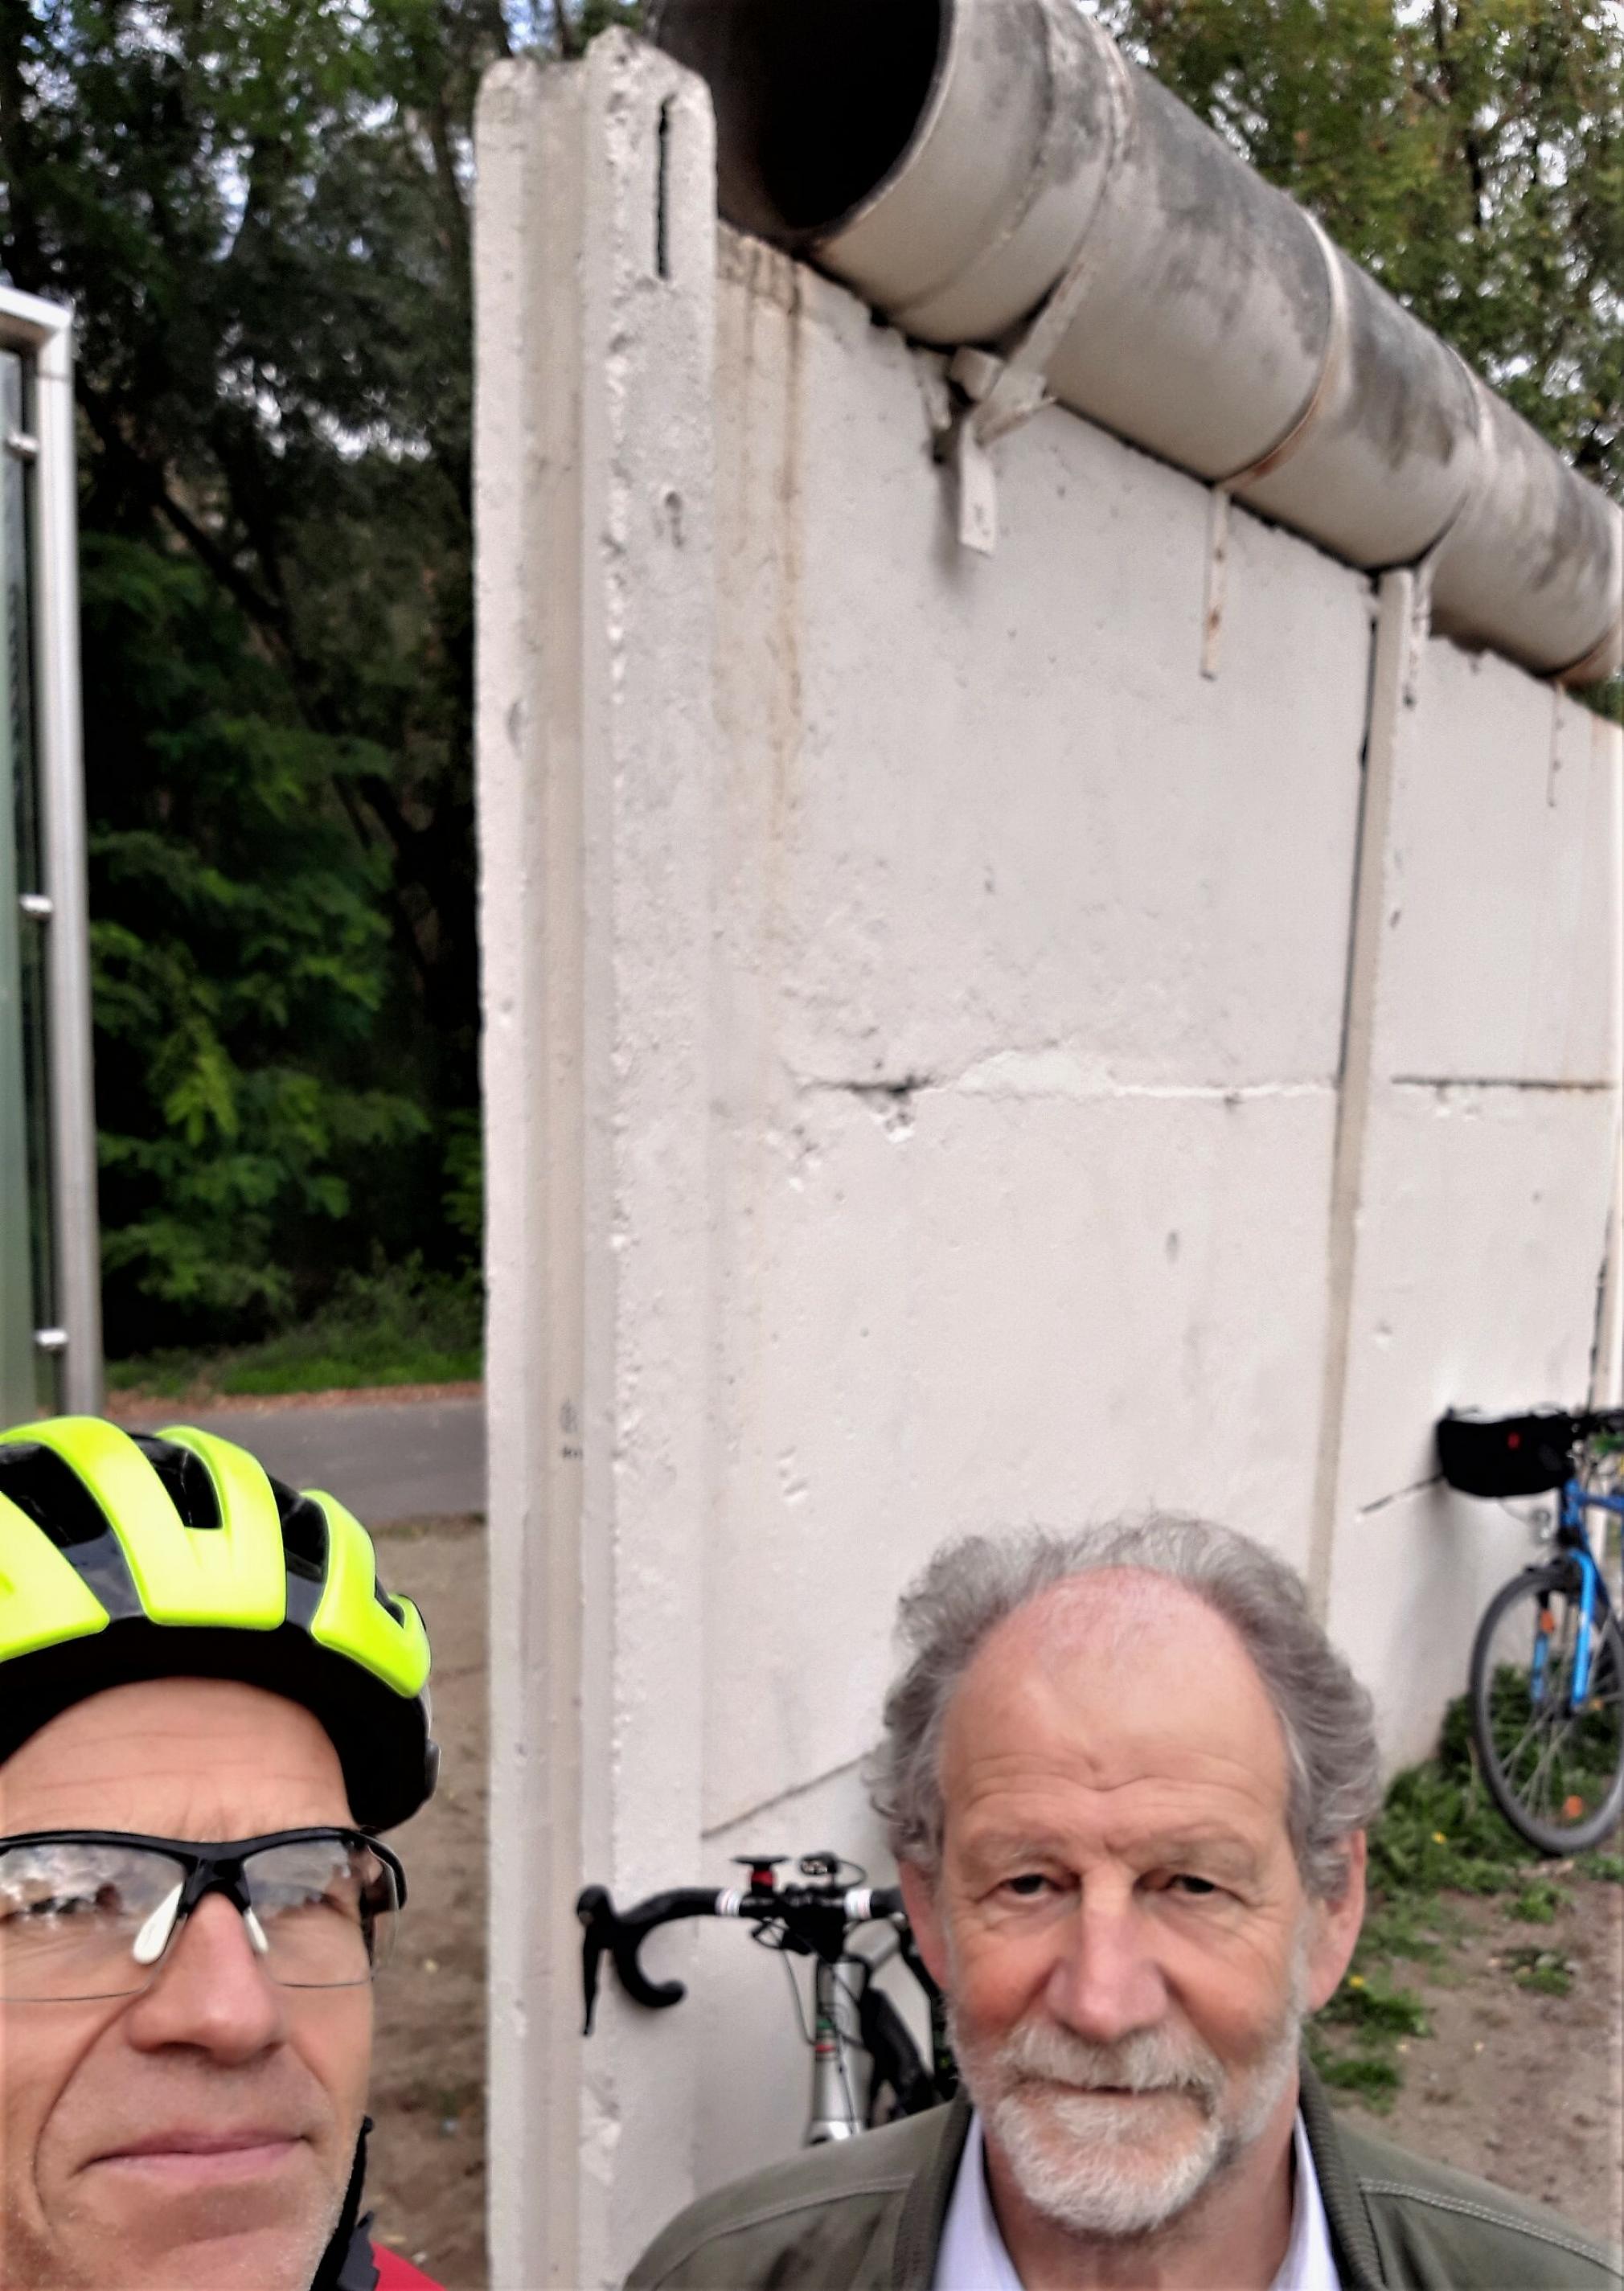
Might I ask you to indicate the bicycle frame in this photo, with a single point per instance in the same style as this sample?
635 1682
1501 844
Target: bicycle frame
814 1920
1571 1537
834 2109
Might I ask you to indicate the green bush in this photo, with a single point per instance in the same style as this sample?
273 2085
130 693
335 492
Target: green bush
398 1325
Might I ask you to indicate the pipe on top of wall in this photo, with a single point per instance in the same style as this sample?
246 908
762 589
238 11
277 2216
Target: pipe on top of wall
955 161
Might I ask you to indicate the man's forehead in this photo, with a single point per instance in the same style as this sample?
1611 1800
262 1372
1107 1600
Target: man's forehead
1112 1674
1118 1617
178 1756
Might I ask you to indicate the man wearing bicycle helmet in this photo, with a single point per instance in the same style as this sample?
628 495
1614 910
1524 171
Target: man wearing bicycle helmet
208 1706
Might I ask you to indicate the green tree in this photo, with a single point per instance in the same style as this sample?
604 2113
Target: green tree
260 210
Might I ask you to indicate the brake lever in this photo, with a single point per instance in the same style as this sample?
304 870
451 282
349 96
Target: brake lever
622 1937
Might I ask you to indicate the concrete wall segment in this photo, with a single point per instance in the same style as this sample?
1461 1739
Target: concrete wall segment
1410 1577
1476 1281
994 844
1502 876
597 210
923 1079
529 361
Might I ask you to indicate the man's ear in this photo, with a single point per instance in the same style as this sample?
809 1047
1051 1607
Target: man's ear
919 1895
1335 1929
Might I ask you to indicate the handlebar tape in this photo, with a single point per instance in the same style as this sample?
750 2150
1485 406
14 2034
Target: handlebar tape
622 1932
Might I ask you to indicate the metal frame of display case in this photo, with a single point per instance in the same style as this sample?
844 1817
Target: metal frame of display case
39 452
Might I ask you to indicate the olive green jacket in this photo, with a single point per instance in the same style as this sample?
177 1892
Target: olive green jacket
867 2216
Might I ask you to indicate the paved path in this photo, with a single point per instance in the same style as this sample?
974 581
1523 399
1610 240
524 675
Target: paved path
388 1460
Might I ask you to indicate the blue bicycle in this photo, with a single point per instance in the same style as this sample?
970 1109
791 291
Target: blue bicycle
1548 1664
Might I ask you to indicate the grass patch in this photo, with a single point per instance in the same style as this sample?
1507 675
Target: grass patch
1368 2002
398 1324
1371 2076
1438 1833
1538 1903
1543 1970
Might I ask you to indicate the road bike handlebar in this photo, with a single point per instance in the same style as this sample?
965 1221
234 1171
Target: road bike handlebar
815 1920
1591 1421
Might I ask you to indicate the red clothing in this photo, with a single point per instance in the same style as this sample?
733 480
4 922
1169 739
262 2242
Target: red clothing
397 2274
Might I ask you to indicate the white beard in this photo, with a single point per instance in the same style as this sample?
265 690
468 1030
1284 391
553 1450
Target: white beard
1101 2165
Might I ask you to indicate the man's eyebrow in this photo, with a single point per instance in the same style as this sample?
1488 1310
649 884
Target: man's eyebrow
1009 1845
1216 1847
1168 1849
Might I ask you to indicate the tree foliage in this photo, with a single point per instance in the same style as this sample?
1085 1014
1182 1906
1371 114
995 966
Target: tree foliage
258 209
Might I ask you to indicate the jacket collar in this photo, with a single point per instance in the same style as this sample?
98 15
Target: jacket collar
918 2229
924 2212
1358 2260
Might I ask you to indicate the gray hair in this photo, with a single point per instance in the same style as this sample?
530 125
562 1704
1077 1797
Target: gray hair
1334 1781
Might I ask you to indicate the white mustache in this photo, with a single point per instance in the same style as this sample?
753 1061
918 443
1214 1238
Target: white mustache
1148 2061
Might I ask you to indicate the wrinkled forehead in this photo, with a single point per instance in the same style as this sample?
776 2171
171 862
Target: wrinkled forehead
176 1757
1116 1678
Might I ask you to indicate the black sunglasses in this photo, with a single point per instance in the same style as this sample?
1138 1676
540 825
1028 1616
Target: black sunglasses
92 1913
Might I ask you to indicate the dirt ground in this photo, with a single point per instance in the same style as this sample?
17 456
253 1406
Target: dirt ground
1524 2088
427 2166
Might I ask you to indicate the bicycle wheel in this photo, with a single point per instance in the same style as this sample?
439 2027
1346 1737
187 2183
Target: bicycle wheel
1556 1774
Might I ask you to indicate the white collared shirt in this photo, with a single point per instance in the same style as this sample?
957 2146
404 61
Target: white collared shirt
973 2256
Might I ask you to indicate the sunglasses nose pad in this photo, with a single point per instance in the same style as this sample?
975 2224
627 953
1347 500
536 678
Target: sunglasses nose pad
256 1933
153 1939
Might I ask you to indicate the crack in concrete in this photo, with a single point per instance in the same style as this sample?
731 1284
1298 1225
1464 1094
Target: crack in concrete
1499 1081
1050 1074
781 1798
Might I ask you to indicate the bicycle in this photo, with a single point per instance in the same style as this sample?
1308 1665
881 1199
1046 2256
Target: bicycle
815 1918
1547 1662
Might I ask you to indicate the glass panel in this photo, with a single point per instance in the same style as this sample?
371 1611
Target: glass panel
17 1322
27 1376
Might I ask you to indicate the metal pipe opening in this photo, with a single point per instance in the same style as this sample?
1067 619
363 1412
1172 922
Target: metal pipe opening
815 105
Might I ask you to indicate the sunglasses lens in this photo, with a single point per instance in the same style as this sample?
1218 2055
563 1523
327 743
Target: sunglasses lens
326 1910
72 1914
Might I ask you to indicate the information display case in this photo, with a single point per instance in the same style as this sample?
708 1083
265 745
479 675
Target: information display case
49 1297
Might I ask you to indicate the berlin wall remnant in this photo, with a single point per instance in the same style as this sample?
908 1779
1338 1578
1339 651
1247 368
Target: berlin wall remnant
949 1060
1010 180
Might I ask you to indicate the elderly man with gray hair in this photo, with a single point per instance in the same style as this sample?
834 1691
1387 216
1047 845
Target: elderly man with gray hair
1127 1779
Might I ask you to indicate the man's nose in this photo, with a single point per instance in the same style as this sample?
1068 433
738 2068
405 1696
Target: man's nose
1107 1982
212 1991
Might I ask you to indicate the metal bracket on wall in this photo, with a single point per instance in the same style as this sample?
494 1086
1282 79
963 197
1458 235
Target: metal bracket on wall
1217 567
999 393
1003 389
1280 453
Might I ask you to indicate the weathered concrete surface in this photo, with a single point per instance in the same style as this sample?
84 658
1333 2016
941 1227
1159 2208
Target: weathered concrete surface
595 248
952 1062
1193 308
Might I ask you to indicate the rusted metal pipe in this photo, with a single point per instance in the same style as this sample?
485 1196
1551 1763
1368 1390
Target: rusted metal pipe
960 162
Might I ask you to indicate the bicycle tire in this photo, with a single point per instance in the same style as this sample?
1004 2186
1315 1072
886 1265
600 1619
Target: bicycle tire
1557 1776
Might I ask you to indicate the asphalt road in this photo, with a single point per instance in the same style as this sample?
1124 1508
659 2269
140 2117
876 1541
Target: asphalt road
394 1461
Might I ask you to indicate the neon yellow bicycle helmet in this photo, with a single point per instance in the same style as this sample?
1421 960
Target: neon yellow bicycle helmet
130 1556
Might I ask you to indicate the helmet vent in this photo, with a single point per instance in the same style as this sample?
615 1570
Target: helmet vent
304 1534
186 1480
51 1493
